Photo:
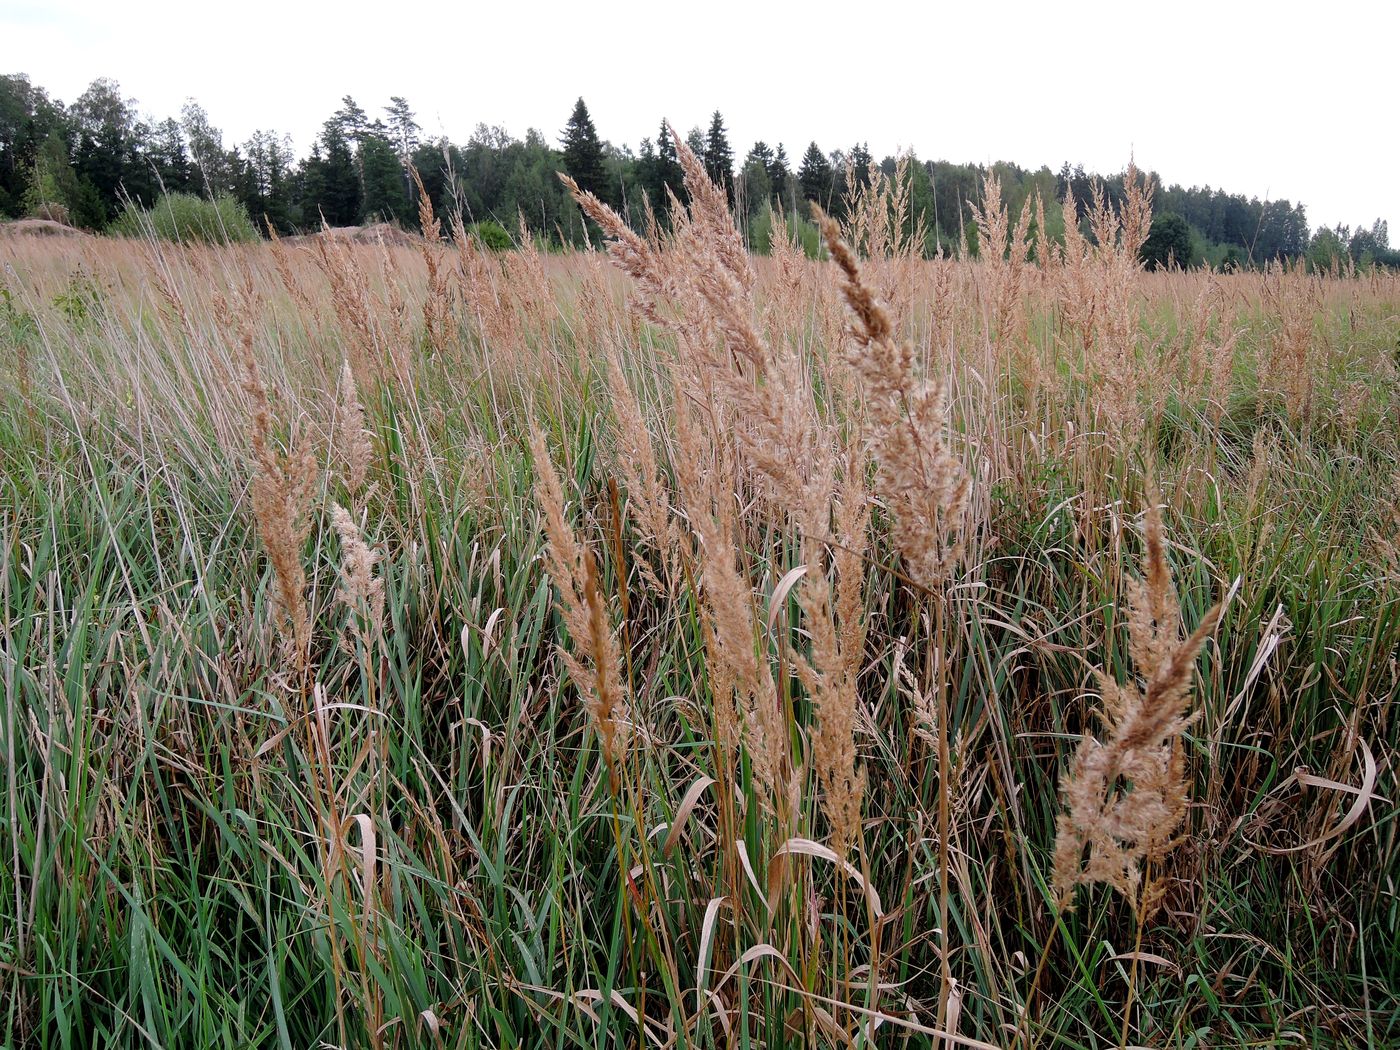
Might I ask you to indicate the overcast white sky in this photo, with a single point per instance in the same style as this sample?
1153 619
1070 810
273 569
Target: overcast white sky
1277 99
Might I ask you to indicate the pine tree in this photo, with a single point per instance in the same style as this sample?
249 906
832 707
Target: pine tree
583 154
351 119
719 157
403 127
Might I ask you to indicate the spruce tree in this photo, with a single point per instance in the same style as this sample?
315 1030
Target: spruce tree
815 178
668 169
780 177
757 181
583 154
385 198
172 163
859 159
339 182
719 157
646 169
779 172
760 154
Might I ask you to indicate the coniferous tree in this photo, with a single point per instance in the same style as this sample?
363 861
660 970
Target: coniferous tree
815 178
310 190
780 174
335 180
385 198
268 158
583 154
104 121
403 126
757 182
760 152
859 159
352 121
84 160
1168 243
719 157
668 167
648 171
168 155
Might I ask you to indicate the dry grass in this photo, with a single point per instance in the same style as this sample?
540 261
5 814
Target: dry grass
405 644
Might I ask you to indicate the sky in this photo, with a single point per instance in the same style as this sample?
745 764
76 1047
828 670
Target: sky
1274 100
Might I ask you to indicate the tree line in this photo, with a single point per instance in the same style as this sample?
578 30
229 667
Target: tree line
82 163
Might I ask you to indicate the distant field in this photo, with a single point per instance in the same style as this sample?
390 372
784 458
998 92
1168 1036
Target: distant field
414 645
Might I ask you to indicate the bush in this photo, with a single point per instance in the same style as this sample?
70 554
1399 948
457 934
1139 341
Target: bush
802 231
185 217
1168 243
491 235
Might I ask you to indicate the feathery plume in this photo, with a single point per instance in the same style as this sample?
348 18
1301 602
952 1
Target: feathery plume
575 574
360 590
281 491
1125 797
922 482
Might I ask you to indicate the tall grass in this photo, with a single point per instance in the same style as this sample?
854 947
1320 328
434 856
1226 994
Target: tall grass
424 646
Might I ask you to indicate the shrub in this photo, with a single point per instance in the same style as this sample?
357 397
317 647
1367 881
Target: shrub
1168 243
492 235
185 217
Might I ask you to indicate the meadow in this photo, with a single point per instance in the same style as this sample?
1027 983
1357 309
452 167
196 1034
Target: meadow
417 645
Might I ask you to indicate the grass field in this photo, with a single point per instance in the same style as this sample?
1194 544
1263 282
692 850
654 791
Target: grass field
425 647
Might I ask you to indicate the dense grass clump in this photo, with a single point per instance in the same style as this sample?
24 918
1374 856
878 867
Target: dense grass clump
415 644
188 219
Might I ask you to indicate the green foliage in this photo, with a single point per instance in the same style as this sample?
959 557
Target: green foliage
187 218
331 184
385 182
719 156
492 235
816 178
81 163
80 299
17 323
970 240
1327 251
1168 243
583 154
802 231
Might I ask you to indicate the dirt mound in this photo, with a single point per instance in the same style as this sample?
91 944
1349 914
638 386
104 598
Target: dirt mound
39 228
379 233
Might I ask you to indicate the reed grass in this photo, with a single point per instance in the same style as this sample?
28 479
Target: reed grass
424 646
